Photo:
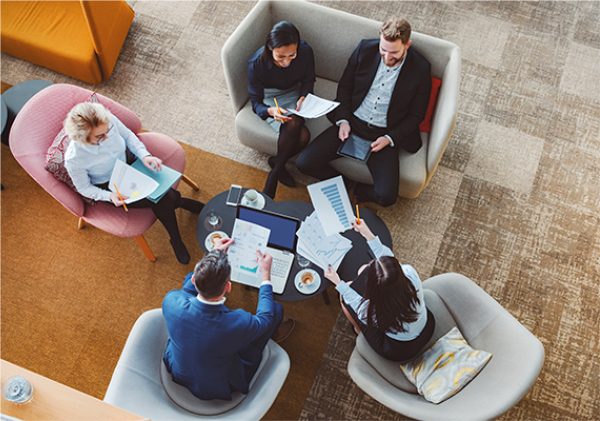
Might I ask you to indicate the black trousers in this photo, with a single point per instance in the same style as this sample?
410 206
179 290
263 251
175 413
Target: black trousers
385 346
383 165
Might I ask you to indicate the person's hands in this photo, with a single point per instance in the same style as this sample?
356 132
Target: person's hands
114 197
332 275
363 229
264 264
344 131
299 103
223 244
274 112
380 143
152 162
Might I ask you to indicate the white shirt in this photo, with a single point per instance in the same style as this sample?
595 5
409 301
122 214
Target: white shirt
360 306
89 165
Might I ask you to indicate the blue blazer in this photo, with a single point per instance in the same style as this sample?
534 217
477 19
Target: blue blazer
205 341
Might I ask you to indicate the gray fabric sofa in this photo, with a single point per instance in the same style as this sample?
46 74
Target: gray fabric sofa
455 300
333 35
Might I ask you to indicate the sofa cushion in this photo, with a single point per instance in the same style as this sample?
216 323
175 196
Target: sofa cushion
445 368
53 34
425 125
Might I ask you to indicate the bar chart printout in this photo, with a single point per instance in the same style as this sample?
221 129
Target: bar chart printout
330 200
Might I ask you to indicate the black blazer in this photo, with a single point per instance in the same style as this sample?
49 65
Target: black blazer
409 100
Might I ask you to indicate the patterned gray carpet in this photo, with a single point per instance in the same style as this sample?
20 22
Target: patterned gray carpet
515 204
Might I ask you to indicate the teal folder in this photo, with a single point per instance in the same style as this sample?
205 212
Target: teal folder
166 177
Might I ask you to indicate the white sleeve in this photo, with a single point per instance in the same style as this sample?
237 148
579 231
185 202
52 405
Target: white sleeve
81 181
131 140
379 249
354 300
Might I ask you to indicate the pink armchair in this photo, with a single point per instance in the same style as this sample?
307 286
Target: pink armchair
36 126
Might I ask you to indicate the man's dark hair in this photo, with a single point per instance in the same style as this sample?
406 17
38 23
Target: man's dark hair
211 274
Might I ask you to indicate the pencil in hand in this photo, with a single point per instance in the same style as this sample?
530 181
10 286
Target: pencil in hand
357 215
120 197
278 110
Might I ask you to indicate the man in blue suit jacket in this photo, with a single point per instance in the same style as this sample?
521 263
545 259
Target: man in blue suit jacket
212 350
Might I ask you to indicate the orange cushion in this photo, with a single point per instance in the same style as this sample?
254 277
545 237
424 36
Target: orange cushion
425 125
50 34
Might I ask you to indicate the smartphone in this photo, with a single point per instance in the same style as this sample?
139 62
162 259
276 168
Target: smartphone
233 197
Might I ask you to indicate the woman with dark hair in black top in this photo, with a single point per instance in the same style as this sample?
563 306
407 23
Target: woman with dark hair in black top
280 75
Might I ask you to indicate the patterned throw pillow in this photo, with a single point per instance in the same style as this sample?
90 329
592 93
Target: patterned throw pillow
445 368
55 162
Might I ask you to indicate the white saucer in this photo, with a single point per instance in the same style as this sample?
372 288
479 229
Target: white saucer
259 204
307 289
208 243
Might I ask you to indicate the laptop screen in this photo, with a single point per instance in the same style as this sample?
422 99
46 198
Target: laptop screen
283 228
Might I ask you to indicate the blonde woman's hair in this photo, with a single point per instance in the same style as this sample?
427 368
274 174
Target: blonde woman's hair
394 29
83 118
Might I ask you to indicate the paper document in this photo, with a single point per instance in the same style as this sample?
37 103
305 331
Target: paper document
330 200
165 178
247 238
130 182
314 106
320 249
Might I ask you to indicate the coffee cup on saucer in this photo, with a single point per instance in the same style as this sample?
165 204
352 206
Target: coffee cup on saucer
307 281
253 199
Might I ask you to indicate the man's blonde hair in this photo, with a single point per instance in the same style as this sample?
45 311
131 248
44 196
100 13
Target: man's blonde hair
83 118
396 29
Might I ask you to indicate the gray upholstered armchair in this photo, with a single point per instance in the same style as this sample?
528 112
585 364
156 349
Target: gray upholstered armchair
517 357
334 35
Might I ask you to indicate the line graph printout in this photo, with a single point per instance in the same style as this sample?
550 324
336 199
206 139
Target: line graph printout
247 238
330 200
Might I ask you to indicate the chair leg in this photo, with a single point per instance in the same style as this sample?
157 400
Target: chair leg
141 241
80 224
190 182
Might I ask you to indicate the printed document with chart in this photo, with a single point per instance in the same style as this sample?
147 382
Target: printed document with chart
320 249
330 200
247 238
131 183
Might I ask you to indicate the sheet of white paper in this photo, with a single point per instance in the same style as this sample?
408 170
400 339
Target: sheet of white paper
319 249
131 183
314 106
247 238
330 200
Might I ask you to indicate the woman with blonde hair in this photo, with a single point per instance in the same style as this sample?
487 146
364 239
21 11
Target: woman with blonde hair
97 140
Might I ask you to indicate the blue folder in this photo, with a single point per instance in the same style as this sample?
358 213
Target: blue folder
166 177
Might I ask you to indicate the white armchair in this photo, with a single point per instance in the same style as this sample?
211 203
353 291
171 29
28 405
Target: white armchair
334 35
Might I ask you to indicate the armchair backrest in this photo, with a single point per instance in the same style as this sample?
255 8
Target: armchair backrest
38 123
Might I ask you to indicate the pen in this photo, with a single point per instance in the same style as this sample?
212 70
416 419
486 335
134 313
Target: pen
357 215
120 197
278 109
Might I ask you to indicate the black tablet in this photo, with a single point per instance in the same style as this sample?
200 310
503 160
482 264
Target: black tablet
355 147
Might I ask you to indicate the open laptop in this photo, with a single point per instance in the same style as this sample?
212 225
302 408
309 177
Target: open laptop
282 243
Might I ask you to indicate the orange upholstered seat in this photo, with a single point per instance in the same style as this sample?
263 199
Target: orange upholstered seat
81 39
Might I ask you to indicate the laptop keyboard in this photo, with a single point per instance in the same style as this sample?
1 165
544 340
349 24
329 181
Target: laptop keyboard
279 268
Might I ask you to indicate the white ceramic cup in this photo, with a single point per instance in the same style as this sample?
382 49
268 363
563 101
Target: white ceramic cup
251 197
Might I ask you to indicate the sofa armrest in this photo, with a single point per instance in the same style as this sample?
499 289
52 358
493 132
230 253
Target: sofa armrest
446 110
247 38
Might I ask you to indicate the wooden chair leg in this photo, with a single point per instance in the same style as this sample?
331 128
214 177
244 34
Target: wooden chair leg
141 241
80 224
190 182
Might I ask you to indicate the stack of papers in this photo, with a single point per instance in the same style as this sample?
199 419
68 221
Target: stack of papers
131 183
314 107
320 249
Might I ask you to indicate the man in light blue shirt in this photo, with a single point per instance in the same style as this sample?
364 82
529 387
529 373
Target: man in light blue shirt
383 95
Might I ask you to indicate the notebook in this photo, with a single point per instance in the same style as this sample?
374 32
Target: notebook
166 177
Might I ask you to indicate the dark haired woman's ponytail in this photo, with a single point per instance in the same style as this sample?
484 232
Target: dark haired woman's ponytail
283 33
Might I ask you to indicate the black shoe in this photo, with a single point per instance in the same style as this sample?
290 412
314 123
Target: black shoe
270 185
191 205
181 252
285 177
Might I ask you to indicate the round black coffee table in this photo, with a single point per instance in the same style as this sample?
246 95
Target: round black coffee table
354 259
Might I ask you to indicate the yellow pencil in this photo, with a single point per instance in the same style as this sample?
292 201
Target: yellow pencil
357 215
121 197
278 109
